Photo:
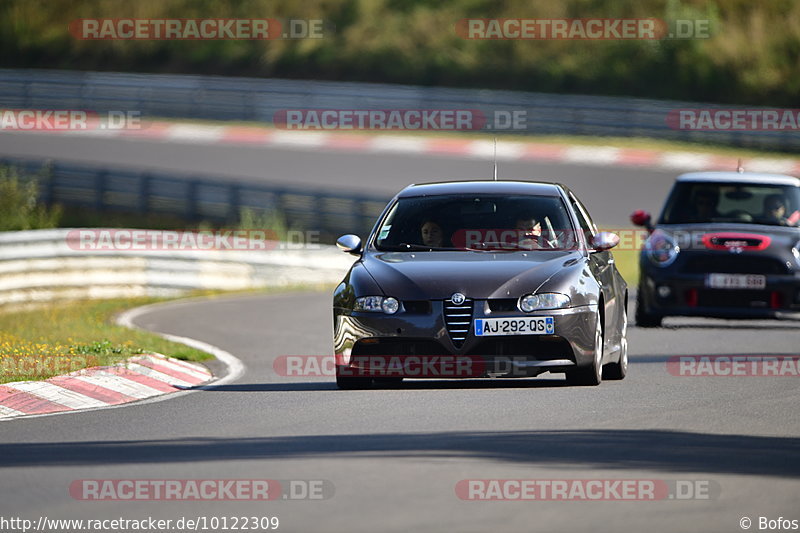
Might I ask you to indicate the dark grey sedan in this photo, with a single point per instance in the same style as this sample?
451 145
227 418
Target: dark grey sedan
481 279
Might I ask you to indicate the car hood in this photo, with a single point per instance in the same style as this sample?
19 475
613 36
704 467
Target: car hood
437 275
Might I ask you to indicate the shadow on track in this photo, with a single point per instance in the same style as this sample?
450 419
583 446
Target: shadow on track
300 386
664 358
743 325
668 451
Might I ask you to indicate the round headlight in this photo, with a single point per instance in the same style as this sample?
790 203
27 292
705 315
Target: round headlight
662 249
390 305
529 303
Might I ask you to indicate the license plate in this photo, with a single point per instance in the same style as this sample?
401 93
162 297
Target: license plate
535 325
736 281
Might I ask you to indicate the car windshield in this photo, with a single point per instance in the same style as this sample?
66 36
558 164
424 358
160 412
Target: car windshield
476 222
701 202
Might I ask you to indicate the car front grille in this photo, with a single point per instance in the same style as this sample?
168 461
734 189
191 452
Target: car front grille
398 346
734 264
417 307
733 298
533 347
502 305
458 319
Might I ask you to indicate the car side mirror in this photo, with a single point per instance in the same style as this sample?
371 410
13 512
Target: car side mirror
643 219
350 244
605 241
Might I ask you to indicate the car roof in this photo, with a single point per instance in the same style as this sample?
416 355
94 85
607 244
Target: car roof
482 187
754 178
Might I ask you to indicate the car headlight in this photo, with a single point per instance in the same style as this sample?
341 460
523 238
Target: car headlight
662 250
547 300
378 304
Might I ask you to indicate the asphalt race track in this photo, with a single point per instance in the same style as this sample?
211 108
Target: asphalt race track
611 193
392 458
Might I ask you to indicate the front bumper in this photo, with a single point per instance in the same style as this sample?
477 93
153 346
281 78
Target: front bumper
688 295
407 345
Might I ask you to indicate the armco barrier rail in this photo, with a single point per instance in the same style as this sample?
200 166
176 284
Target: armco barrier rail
104 189
253 99
40 265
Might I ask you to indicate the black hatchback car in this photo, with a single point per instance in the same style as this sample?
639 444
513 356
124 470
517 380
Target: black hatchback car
727 245
481 279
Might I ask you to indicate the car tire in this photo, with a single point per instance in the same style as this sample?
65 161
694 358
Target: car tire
350 382
643 318
619 370
590 375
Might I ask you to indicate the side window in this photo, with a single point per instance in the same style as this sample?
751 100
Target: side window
586 224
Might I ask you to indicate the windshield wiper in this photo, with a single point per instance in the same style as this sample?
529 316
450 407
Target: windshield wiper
403 246
492 246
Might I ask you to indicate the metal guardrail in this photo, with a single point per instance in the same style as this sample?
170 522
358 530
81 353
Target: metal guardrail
192 199
254 99
43 265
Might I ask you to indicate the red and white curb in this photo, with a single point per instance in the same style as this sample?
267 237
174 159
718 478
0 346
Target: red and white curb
445 146
137 378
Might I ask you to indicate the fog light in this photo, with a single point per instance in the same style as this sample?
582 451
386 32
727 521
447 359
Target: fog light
664 291
691 298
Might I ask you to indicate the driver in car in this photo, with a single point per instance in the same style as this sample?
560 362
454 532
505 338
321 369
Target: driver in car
530 232
705 205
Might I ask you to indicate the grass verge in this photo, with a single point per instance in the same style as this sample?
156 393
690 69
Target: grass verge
627 262
58 338
64 337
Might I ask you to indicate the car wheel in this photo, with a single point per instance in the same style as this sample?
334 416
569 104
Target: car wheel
643 318
350 382
619 369
592 374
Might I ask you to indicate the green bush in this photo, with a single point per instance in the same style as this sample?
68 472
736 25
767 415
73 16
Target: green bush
19 208
271 221
751 57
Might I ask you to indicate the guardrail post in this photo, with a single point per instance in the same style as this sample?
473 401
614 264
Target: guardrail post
100 190
144 193
27 85
365 220
234 201
191 200
50 173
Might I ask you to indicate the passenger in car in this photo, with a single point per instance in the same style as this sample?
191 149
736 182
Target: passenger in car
775 210
432 234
